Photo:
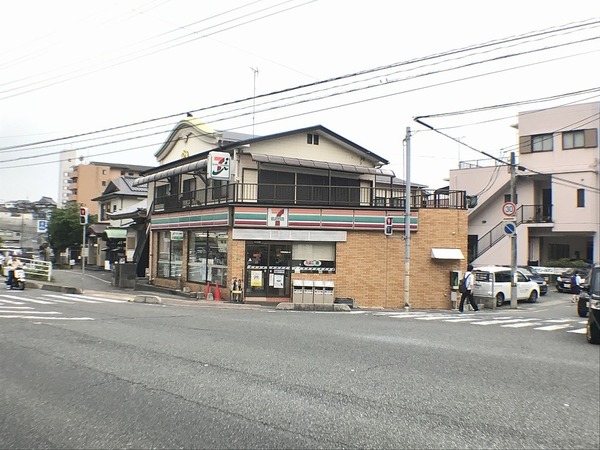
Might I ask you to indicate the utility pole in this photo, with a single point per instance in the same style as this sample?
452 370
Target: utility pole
255 70
407 224
513 237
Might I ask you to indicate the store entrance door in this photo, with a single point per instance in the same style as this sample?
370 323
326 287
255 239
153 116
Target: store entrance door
268 269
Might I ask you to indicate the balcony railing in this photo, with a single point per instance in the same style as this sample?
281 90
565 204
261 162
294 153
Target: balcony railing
303 196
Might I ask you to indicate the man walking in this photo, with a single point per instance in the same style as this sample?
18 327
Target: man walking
466 290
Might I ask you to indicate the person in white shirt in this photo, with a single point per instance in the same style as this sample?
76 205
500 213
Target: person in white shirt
468 282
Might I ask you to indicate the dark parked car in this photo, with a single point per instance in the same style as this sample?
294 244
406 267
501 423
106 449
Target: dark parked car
589 305
530 273
563 281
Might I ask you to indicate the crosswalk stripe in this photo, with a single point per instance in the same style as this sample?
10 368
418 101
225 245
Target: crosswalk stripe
26 299
45 317
440 317
521 324
553 327
60 297
502 322
101 299
461 319
29 312
15 308
11 302
578 331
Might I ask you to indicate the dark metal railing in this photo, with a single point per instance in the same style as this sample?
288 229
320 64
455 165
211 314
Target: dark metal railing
295 195
524 214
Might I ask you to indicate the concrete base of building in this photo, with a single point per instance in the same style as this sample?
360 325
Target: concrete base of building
286 306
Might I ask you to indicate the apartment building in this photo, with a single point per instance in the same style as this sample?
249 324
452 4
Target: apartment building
557 191
304 205
88 181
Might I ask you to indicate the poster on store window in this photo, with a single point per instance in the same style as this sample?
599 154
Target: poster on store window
256 278
278 281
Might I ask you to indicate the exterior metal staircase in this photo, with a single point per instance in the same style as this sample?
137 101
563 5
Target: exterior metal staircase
524 214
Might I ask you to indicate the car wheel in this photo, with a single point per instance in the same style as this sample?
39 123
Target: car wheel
499 299
533 297
582 309
593 333
558 288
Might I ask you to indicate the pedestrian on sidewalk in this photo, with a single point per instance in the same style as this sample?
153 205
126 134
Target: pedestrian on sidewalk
575 286
467 290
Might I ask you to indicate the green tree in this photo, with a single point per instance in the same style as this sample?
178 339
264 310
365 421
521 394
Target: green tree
64 229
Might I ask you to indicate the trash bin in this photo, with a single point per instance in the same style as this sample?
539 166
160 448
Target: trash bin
307 294
298 291
318 291
328 297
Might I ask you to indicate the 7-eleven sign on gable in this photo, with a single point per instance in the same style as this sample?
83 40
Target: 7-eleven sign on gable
277 217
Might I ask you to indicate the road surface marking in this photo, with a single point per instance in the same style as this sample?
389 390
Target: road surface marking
578 331
46 318
99 299
502 322
522 324
29 312
60 297
26 299
553 327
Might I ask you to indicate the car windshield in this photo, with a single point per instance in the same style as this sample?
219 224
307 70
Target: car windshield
526 272
595 288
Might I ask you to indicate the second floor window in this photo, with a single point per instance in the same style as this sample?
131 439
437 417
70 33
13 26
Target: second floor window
580 139
541 143
580 198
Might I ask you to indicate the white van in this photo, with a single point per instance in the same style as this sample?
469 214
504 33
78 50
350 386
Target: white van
493 283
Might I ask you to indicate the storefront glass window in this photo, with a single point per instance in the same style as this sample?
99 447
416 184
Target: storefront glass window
170 254
313 257
207 257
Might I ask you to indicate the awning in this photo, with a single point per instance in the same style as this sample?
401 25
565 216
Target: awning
190 167
309 163
115 233
446 253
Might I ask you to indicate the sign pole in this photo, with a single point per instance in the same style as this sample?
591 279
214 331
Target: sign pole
83 247
513 237
407 197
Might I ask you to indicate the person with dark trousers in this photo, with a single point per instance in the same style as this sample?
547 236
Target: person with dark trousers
467 291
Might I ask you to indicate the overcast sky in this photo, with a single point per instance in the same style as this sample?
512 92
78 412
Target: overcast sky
76 67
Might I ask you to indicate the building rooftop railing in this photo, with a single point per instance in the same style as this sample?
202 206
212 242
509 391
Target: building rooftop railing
309 196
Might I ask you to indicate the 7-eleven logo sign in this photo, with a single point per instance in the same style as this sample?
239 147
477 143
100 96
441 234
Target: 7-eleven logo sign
277 217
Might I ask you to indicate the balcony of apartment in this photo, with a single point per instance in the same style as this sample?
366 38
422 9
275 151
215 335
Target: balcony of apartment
308 196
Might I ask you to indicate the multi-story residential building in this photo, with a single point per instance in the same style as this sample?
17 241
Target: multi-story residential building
557 191
88 181
66 162
305 205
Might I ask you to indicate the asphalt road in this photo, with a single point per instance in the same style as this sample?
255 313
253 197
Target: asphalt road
94 372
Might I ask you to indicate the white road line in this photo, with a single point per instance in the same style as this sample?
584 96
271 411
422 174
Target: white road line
559 320
578 331
100 299
553 327
27 299
460 319
60 297
15 308
12 302
46 318
440 317
521 325
502 322
29 312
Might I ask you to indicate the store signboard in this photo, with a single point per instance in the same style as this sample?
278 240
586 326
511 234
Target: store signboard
219 166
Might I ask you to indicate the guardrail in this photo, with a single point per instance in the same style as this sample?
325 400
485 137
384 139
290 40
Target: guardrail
34 268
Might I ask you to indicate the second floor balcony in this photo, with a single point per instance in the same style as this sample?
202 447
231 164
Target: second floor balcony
309 195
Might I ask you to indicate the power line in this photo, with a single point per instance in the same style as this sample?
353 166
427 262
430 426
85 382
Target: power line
329 80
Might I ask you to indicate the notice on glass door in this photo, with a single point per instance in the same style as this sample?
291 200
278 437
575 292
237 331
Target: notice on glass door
256 279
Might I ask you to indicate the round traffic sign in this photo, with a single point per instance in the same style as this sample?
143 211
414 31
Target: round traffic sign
510 228
509 208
